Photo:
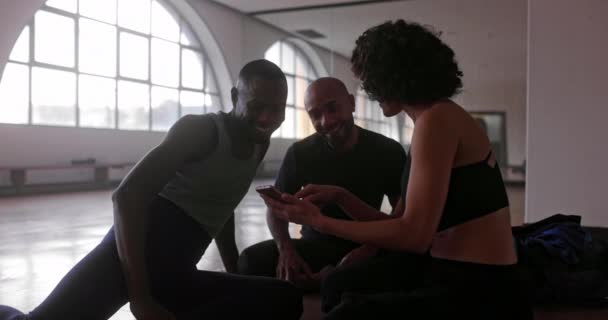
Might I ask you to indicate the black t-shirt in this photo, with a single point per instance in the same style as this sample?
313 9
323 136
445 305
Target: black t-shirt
370 170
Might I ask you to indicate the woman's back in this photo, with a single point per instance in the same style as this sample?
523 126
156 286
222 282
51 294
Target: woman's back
475 223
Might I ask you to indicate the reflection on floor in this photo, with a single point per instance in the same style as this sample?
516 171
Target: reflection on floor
42 237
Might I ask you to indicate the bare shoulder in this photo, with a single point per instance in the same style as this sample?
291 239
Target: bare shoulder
441 119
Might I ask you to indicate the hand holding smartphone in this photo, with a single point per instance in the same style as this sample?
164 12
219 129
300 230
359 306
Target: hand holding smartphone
270 191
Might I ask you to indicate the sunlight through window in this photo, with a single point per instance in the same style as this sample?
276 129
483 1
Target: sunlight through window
113 64
299 73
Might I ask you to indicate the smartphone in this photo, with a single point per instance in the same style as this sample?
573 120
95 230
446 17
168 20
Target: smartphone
270 191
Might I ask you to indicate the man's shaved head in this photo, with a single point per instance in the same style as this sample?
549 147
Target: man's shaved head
324 87
330 107
259 98
257 70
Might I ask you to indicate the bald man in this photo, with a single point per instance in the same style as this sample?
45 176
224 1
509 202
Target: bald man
339 153
179 197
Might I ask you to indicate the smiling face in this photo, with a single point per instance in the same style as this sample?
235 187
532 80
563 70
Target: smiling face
260 104
330 108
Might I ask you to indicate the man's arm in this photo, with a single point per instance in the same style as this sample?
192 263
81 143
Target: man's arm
286 182
226 245
279 230
289 265
137 190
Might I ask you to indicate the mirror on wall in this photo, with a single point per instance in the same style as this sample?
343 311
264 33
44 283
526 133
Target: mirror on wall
493 123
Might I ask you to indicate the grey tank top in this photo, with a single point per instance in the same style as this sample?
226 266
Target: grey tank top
210 189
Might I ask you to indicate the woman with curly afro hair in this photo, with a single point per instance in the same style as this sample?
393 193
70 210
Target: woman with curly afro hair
449 251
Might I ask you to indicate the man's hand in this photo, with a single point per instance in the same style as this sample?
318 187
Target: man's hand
149 309
226 245
291 266
358 254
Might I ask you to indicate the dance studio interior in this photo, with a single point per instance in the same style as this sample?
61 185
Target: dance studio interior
89 87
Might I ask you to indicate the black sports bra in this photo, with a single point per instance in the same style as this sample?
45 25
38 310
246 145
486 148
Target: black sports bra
475 190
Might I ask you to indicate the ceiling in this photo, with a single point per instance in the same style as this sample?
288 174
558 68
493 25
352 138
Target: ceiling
253 6
497 22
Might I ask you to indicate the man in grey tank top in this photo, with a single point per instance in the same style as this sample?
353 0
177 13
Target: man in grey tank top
167 210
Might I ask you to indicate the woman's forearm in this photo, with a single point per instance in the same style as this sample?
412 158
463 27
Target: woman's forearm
392 234
359 210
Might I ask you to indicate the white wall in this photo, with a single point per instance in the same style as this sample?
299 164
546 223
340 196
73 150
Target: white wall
492 56
567 110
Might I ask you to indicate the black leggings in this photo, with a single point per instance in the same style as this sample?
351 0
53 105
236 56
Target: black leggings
95 288
261 258
409 286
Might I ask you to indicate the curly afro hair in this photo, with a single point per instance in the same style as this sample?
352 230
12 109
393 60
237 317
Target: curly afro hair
407 63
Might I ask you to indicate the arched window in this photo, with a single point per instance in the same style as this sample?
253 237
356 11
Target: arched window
300 73
117 64
368 114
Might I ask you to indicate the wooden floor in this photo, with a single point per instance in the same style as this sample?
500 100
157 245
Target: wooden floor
41 237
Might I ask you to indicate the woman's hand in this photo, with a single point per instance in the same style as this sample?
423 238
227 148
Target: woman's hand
294 210
321 194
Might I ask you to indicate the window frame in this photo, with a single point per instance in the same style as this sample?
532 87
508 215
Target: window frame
311 75
209 92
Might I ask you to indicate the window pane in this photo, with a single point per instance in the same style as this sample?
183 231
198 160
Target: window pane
133 105
192 69
53 97
192 102
290 88
188 38
165 109
101 10
134 15
97 48
407 135
304 125
301 86
210 85
368 109
21 50
395 128
409 123
301 66
276 133
374 109
288 126
164 22
212 103
273 54
287 56
133 56
312 74
14 94
96 101
165 63
54 39
66 5
360 107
